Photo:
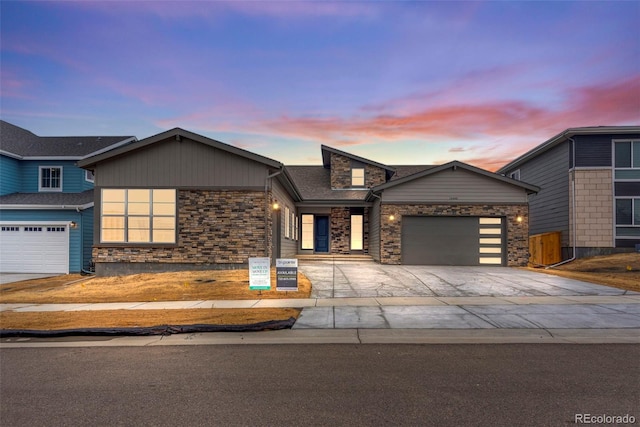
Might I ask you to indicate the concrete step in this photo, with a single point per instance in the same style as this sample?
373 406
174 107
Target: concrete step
336 257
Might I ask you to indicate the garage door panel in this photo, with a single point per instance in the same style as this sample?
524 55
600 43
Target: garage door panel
34 248
441 240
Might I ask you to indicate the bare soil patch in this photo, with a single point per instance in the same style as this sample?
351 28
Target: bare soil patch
177 286
618 270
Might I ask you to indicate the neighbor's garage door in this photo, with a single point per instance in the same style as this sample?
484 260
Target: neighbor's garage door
444 240
34 248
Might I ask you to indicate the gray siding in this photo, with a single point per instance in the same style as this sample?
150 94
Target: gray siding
455 186
374 231
593 150
549 209
185 164
288 246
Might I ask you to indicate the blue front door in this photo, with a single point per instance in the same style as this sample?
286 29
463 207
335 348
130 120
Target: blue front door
322 234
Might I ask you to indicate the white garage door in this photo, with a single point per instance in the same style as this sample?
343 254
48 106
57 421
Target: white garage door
34 248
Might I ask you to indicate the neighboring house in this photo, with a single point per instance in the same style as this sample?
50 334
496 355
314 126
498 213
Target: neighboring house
46 201
178 200
590 188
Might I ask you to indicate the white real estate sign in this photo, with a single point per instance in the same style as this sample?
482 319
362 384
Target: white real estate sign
260 274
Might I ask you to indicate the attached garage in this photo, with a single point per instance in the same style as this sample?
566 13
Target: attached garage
34 247
453 240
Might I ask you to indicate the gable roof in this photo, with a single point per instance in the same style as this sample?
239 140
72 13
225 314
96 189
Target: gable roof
326 159
22 144
453 165
314 184
177 134
565 135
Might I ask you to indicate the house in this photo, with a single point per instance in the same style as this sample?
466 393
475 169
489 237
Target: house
179 200
590 188
46 201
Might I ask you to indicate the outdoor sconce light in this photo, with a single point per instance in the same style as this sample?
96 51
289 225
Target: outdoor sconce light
519 217
275 206
392 217
73 224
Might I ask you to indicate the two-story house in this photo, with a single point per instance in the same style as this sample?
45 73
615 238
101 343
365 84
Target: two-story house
589 179
46 201
179 200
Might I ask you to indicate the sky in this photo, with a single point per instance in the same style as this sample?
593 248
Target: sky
397 82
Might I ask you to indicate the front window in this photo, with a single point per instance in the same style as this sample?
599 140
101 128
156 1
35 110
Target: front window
627 217
627 160
138 216
50 178
307 231
88 176
356 232
357 177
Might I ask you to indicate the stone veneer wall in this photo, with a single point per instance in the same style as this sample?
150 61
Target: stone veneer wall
341 173
594 208
340 231
517 232
214 227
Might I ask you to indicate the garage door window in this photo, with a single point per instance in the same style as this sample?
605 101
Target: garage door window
138 216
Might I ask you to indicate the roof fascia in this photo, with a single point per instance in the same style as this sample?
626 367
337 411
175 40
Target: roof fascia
354 157
563 136
110 147
12 155
286 180
47 207
177 133
453 165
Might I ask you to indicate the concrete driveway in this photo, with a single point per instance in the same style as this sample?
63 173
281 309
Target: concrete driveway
373 296
19 277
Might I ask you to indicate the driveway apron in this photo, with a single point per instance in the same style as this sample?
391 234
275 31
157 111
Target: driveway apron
374 296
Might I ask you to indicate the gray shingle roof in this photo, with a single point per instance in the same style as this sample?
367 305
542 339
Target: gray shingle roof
21 142
314 183
48 199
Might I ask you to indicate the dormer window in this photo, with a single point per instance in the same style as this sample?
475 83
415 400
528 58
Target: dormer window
50 178
357 177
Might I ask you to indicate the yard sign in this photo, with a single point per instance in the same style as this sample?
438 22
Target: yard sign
287 274
259 274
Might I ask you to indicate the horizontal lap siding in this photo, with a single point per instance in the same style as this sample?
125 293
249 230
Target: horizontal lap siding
9 175
181 165
549 209
288 246
455 186
374 231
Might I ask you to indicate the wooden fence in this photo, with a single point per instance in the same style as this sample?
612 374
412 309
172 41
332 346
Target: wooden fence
545 248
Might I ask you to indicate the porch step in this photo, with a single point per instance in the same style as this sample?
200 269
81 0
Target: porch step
337 257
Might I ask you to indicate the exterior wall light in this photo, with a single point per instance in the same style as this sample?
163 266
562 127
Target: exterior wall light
519 218
275 206
73 224
392 217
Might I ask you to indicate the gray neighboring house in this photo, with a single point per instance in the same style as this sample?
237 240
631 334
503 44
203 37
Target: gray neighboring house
178 200
590 188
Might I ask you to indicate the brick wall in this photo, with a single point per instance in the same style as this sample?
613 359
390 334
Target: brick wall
214 227
517 232
373 176
594 209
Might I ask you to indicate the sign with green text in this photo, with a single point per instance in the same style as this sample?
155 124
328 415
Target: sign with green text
259 274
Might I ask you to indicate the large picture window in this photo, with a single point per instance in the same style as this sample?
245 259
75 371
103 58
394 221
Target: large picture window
50 178
138 216
627 160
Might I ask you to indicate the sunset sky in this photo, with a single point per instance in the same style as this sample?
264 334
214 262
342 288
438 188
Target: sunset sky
397 82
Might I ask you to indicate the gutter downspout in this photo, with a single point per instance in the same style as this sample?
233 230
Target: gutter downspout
575 215
266 209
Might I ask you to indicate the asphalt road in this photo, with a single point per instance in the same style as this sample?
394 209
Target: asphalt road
440 385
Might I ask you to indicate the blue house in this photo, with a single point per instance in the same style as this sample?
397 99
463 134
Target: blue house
46 201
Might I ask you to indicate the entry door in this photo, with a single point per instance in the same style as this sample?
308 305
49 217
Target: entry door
322 234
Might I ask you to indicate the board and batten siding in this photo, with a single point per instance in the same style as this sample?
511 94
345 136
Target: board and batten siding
181 164
374 230
549 209
455 186
288 246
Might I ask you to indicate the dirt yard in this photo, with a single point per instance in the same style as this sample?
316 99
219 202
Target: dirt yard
619 270
181 286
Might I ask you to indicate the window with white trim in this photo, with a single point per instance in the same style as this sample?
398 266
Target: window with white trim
138 216
515 175
89 176
50 178
287 222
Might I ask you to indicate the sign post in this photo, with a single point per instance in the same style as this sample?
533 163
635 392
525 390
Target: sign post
287 274
259 274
